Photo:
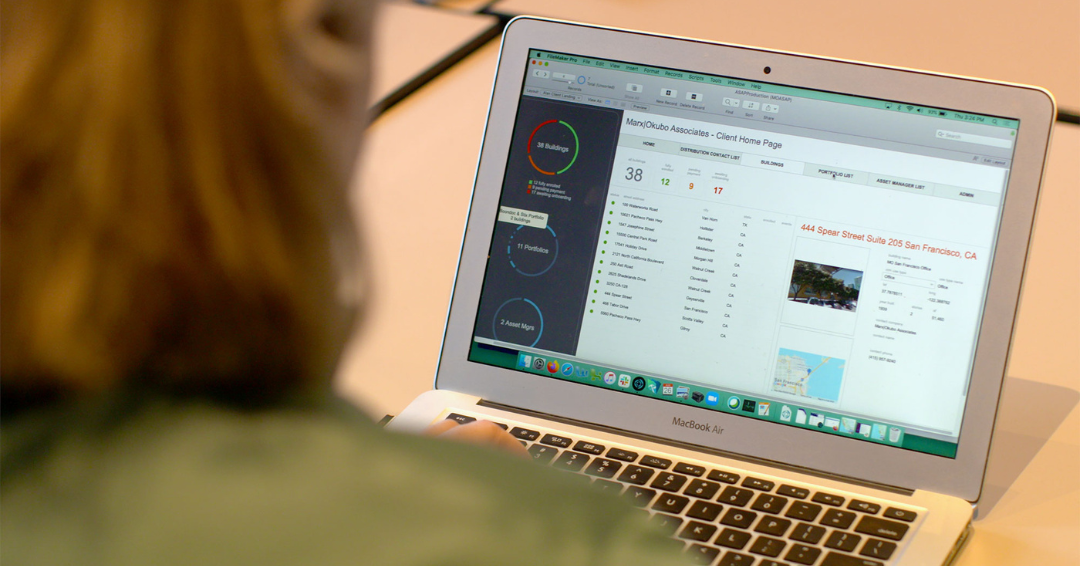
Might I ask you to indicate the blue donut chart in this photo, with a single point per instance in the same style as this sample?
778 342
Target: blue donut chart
517 268
495 319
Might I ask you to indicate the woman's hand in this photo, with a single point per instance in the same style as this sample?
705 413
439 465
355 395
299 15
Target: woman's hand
477 432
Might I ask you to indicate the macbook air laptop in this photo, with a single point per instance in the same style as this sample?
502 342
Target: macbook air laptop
767 297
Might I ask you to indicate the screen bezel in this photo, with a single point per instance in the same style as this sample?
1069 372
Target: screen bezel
961 476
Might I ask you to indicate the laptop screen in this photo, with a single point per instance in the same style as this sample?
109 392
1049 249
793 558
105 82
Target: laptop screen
809 258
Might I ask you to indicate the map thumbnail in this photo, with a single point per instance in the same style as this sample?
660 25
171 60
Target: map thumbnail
808 375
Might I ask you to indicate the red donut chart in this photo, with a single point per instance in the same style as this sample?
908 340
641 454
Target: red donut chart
572 159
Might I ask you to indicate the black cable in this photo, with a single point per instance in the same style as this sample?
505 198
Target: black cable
1068 116
439 67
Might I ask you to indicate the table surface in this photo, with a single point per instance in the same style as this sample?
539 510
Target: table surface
409 39
413 193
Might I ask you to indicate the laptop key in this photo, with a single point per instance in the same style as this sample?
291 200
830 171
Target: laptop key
837 518
542 454
524 433
736 496
581 479
689 469
792 491
805 532
704 510
828 499
767 546
834 559
502 426
667 524
802 554
603 468
771 563
671 503
754 483
803 511
877 548
733 539
608 486
864 506
739 518
881 528
555 440
668 481
894 513
722 476
773 526
843 541
571 461
639 496
736 559
700 532
461 419
620 454
702 554
636 475
588 448
769 503
654 462
702 488
674 544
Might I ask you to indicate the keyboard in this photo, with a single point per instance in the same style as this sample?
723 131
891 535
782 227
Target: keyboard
726 517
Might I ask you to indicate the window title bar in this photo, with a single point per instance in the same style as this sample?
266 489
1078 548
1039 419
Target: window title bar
770 88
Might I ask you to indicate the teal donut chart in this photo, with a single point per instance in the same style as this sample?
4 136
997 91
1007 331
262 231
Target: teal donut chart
495 319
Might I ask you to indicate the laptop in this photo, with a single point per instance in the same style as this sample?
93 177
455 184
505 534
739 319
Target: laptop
767 297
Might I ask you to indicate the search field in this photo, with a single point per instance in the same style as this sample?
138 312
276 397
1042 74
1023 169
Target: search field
973 138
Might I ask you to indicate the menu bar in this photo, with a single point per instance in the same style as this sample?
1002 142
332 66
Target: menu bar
769 88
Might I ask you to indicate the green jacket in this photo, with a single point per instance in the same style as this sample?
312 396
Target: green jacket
140 480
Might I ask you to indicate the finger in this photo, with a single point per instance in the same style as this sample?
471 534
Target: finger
440 427
487 433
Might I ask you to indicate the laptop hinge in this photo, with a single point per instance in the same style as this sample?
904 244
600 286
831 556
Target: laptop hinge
698 448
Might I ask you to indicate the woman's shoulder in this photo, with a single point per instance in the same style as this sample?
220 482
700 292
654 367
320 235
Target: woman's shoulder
317 480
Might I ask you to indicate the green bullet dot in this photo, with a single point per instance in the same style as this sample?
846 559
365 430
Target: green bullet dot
607 232
603 252
594 290
598 271
612 202
611 212
601 261
605 241
594 300
609 222
590 310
